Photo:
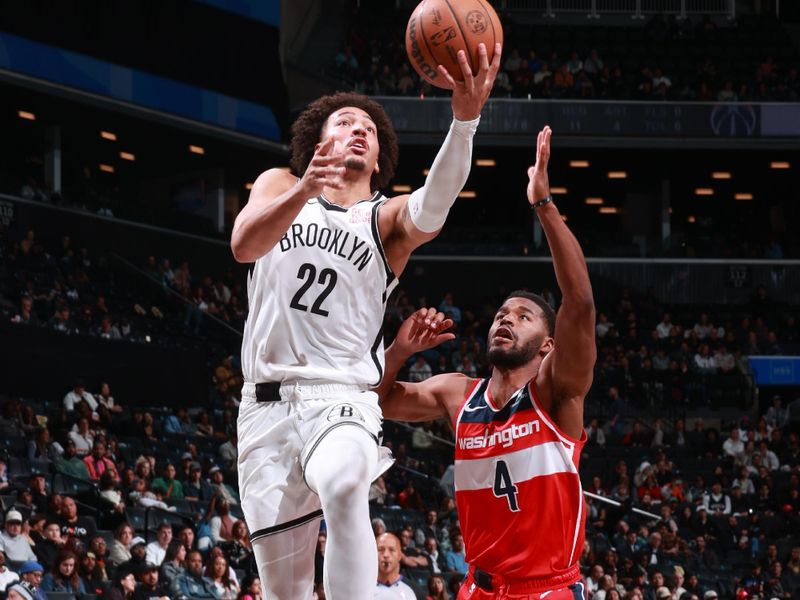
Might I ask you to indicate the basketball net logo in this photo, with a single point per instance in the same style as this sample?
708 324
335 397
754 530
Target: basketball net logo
476 21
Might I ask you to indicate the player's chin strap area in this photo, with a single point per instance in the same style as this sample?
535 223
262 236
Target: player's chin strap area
428 206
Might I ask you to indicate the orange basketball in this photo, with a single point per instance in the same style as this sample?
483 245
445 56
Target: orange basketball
438 29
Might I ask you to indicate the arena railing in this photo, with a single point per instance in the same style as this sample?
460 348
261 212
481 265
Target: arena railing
634 8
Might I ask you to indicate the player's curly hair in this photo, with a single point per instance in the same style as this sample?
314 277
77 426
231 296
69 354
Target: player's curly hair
307 129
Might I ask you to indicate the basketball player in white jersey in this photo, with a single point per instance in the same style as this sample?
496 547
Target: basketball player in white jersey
328 249
519 433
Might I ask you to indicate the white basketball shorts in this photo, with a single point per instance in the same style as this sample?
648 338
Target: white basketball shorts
276 439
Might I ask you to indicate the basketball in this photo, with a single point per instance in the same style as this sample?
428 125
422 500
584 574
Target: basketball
438 29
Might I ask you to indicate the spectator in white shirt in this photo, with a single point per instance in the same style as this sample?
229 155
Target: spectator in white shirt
603 325
82 436
104 398
777 416
768 458
733 446
724 360
157 549
717 502
78 394
665 326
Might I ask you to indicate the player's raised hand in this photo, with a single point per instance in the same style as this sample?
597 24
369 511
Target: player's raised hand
425 329
538 181
471 94
326 169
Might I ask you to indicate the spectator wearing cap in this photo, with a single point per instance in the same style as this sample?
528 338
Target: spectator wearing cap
23 591
222 489
92 573
70 463
171 488
63 577
663 593
186 465
150 587
710 595
31 572
83 528
157 549
123 585
138 555
14 545
195 487
120 547
192 584
7 576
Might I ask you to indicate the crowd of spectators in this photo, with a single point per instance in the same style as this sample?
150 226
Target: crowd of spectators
540 64
134 501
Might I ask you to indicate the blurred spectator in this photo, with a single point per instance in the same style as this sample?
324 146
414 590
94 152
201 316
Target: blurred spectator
217 572
119 551
221 523
31 572
83 528
157 549
122 586
171 488
150 586
420 370
455 561
78 394
63 577
13 544
224 491
97 463
192 584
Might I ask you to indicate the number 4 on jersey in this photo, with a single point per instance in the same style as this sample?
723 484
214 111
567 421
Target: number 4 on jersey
504 486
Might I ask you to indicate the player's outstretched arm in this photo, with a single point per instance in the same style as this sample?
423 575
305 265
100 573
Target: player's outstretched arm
419 217
567 369
403 401
276 199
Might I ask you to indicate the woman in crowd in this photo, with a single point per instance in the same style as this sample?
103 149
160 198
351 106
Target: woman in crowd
239 551
64 575
122 586
120 547
251 588
217 571
172 566
436 588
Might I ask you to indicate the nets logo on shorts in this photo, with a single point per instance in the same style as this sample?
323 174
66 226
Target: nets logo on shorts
344 412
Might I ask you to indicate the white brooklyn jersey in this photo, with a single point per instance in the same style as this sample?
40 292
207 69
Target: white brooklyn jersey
317 299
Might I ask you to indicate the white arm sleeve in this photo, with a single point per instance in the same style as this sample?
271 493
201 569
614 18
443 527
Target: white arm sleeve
428 206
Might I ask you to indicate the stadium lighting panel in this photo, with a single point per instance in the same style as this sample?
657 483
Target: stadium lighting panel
617 175
248 185
107 135
196 149
704 191
558 190
28 116
779 164
720 175
579 164
743 196
401 188
127 156
608 210
467 194
106 168
594 201
485 162
691 219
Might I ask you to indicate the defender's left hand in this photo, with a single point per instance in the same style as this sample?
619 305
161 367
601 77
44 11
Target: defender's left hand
470 95
538 181
423 330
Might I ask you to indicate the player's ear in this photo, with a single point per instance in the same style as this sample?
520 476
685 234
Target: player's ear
377 167
547 345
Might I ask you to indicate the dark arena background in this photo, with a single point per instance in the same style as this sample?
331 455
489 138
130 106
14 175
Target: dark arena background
132 133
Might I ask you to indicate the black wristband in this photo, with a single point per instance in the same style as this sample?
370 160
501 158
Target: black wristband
542 202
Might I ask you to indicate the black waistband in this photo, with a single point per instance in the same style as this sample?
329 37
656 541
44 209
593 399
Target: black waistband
269 391
482 579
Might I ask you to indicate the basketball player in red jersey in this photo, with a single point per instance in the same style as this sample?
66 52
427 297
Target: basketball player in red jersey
519 434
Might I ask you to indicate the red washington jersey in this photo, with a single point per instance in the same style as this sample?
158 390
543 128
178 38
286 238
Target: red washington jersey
519 497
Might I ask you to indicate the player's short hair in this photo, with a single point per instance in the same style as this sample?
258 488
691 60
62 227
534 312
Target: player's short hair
307 129
549 313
